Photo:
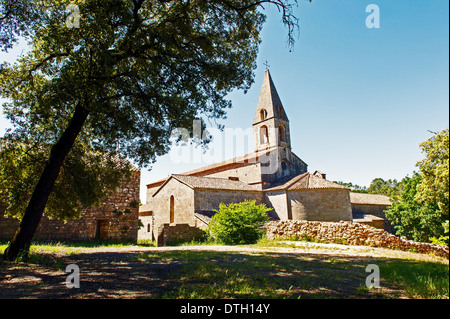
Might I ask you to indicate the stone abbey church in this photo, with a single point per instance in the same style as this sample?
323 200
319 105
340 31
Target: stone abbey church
179 205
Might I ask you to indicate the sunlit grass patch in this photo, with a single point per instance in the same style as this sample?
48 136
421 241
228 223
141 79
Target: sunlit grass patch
418 278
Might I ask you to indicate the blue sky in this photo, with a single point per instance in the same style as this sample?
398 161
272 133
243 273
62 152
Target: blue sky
359 100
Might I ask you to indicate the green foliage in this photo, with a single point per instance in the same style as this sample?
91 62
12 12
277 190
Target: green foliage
86 177
389 187
421 202
416 221
238 223
421 212
121 212
353 187
443 240
434 170
420 279
16 18
139 69
120 82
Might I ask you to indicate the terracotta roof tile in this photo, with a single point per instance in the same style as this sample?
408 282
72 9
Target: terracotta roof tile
198 182
303 182
238 161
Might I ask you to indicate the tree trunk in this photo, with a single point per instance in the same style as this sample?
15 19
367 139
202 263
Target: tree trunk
20 243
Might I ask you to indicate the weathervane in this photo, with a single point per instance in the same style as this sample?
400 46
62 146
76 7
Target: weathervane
266 64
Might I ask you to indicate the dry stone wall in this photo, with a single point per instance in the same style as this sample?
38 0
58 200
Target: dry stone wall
349 233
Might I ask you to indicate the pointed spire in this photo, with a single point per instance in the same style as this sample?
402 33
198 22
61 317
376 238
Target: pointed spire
269 102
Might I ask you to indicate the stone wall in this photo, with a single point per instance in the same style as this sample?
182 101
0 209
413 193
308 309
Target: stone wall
146 231
104 221
376 210
7 225
183 204
350 233
249 173
172 233
277 201
210 199
320 205
371 220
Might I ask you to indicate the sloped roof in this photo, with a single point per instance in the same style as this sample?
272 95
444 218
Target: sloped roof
303 182
269 100
369 199
204 216
365 218
199 182
238 161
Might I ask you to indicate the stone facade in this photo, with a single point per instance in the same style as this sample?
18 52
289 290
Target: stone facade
271 130
277 200
173 233
145 232
370 209
371 220
349 233
104 222
173 200
320 205
209 200
272 175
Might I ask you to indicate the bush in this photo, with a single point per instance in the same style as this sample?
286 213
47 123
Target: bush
238 223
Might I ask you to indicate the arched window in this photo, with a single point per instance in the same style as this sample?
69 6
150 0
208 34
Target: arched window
282 133
263 135
263 114
283 166
172 209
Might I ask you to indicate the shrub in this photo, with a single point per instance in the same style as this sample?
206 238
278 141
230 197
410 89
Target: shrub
238 223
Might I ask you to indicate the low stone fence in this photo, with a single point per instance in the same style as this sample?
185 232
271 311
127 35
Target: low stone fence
348 233
173 233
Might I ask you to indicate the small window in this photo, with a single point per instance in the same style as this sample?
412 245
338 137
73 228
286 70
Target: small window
172 209
263 114
282 133
148 228
233 178
283 166
264 135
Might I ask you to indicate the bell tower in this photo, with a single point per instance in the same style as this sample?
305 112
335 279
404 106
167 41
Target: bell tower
270 124
271 129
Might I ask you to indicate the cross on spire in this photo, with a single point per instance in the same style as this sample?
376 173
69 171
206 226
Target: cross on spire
266 64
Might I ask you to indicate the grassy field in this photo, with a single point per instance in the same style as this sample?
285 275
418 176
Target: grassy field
269 269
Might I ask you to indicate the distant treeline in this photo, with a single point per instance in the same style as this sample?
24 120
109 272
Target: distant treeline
390 187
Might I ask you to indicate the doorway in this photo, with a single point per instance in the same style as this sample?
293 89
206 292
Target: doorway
101 231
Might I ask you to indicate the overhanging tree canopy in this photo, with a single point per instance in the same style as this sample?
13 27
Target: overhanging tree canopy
121 81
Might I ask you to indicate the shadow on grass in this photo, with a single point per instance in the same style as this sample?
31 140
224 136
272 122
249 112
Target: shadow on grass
209 274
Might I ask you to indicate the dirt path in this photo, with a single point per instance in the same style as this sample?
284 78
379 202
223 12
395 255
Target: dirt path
288 247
